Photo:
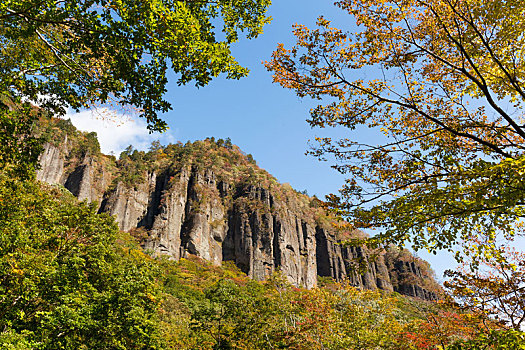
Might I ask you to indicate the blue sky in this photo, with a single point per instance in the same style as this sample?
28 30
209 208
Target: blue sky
260 117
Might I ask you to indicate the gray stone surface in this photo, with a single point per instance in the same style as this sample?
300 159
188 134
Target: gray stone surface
186 210
51 164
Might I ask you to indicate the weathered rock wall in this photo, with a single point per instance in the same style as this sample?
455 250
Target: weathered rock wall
187 210
86 177
52 164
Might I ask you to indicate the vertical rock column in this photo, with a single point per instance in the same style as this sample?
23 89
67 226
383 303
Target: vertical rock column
167 215
265 235
51 162
129 204
204 227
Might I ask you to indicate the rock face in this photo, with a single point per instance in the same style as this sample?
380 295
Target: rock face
353 263
187 209
265 234
52 163
407 273
85 177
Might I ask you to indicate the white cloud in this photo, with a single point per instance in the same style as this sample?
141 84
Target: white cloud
116 131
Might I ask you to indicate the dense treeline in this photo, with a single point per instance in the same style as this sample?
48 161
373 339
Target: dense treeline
68 278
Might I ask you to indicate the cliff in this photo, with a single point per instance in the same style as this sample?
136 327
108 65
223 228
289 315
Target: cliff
209 199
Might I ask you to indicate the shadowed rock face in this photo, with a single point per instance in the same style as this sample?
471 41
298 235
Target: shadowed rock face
188 210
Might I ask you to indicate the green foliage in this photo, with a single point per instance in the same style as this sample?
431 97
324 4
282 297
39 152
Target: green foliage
67 279
10 340
502 339
133 166
492 285
19 147
211 307
70 280
156 146
225 160
92 146
56 131
66 126
78 53
250 159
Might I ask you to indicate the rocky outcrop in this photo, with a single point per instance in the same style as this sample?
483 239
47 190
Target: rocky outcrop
353 263
129 205
186 209
52 161
88 180
86 177
410 279
264 236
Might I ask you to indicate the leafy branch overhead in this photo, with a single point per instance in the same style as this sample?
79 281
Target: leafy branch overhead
441 83
79 53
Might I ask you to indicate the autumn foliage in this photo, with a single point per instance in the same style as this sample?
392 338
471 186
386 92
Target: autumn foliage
439 85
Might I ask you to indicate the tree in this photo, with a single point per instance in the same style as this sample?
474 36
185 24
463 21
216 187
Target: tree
493 340
77 53
229 314
68 278
19 147
228 143
496 289
441 82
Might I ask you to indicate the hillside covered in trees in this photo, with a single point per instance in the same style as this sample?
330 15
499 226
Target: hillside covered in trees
71 279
